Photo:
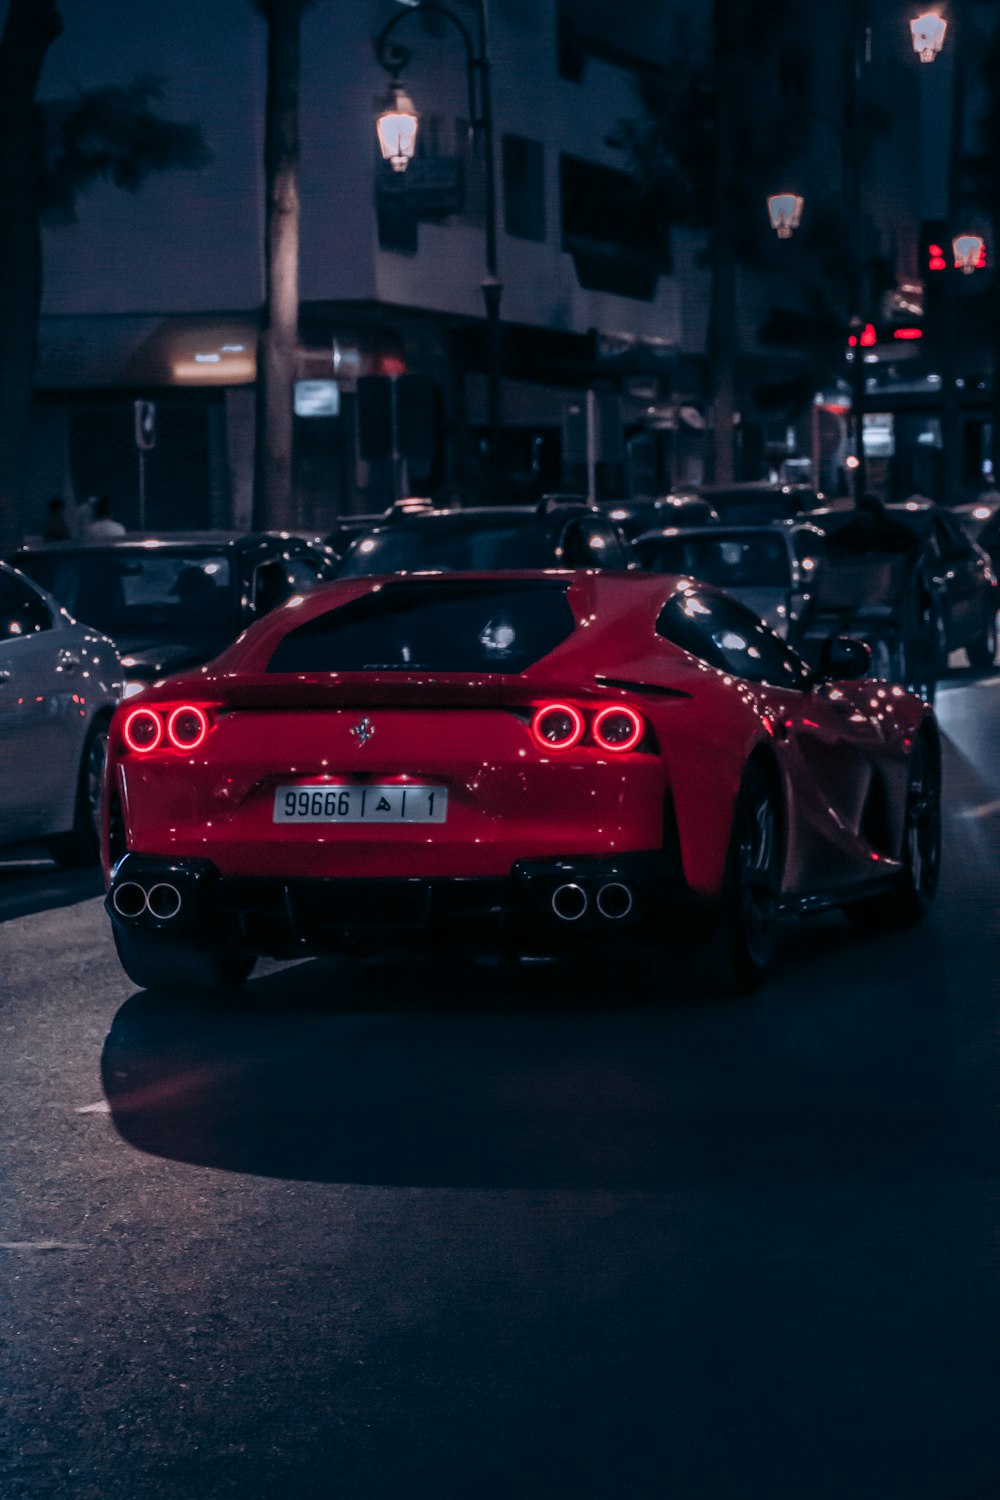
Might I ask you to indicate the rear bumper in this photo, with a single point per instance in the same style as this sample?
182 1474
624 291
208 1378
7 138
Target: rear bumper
556 899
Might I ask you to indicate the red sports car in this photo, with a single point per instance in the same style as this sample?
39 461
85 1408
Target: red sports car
532 756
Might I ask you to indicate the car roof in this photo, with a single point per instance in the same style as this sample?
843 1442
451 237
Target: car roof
749 487
149 540
788 527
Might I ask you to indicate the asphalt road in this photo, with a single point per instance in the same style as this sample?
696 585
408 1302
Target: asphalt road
408 1231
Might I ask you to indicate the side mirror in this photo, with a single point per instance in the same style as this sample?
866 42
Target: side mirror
842 659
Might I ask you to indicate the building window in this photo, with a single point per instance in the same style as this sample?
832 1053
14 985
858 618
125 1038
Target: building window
524 187
616 242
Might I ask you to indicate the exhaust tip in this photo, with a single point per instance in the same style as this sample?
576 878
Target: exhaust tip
614 901
128 899
570 902
164 901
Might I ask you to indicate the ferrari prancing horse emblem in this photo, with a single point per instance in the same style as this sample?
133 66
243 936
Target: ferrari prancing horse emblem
362 731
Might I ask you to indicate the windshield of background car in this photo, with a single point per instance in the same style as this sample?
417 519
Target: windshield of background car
756 507
728 561
453 544
420 627
167 593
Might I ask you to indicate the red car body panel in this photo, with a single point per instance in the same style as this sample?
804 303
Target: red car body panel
509 798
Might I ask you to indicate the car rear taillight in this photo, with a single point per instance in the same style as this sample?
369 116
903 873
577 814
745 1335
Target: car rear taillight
557 726
168 726
187 726
142 730
618 728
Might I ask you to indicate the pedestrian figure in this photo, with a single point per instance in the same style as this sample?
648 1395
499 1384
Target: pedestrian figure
56 528
102 522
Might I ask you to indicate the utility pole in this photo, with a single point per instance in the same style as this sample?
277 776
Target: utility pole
722 312
859 55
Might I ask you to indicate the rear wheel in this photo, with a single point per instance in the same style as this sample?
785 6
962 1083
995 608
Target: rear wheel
982 651
909 902
159 961
743 942
81 846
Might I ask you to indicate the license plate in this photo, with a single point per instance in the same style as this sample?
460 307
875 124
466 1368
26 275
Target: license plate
360 804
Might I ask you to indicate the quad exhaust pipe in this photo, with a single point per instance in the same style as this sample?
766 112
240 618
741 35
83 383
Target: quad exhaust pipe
614 901
162 901
570 902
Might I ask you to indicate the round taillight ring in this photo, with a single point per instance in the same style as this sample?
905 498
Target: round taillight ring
618 728
567 733
187 726
142 730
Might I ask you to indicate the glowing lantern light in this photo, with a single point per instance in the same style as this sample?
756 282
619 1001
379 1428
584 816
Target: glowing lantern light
935 258
970 252
397 128
928 35
785 211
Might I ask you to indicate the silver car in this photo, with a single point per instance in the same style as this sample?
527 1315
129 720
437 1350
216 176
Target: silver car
59 685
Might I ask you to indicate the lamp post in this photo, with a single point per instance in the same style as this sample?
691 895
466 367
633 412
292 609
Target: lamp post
397 130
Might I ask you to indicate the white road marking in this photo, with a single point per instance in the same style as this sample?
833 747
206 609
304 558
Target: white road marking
102 1107
984 810
41 1245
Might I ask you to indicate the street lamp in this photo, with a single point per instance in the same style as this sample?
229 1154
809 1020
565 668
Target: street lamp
397 127
928 35
969 251
785 210
397 131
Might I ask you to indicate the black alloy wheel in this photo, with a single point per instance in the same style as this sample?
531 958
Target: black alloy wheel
82 844
983 650
745 935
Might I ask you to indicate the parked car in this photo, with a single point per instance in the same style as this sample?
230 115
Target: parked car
567 757
174 600
981 524
771 569
348 528
637 516
953 572
758 503
59 685
559 532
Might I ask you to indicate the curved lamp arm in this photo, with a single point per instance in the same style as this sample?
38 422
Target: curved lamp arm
394 57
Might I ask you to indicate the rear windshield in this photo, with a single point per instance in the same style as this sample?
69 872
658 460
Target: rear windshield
453 627
729 562
449 544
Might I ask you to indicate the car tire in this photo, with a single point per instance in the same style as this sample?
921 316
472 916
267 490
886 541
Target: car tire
908 904
983 650
82 844
743 940
160 962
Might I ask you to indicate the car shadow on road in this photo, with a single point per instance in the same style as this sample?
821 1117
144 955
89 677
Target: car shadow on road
429 1074
31 883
